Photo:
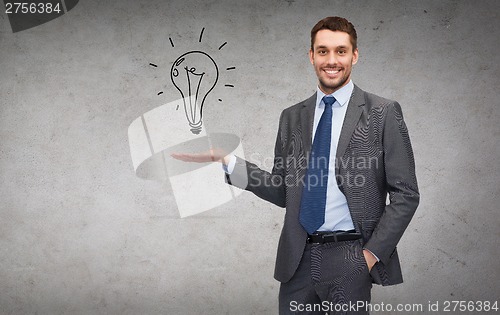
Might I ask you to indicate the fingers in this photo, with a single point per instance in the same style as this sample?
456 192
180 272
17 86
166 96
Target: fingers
182 156
185 157
369 258
192 157
212 155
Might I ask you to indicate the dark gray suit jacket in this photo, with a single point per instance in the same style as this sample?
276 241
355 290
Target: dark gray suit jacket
374 159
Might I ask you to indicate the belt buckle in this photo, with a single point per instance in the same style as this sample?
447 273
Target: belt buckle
330 235
318 238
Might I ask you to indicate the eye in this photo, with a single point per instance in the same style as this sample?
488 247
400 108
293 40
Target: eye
321 51
342 52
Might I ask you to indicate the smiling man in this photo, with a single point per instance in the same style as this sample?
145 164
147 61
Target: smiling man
338 155
333 54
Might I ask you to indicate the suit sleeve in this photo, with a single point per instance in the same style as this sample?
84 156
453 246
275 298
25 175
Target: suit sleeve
401 184
268 186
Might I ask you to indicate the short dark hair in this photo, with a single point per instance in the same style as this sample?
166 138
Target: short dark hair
335 23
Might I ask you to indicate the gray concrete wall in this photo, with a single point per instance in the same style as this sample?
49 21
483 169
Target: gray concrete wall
80 233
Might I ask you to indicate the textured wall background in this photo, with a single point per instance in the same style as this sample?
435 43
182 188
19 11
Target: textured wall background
81 234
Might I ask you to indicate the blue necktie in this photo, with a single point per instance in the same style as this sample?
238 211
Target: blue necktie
312 205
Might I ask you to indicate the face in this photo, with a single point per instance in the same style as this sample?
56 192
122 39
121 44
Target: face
332 59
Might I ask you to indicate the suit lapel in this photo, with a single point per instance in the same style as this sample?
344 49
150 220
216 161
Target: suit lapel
307 120
354 110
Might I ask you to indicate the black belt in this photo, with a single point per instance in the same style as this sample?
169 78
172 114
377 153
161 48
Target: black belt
336 236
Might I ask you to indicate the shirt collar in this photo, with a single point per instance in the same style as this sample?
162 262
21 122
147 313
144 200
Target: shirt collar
342 95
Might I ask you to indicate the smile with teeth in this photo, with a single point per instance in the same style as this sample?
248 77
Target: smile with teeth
332 71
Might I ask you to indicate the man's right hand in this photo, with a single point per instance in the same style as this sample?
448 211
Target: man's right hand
212 155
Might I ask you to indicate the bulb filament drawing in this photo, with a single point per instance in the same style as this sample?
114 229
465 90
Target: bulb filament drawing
195 75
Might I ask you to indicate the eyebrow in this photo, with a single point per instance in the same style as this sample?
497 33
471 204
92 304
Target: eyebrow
338 47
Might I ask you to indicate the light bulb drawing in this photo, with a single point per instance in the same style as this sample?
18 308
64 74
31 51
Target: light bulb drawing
195 75
163 130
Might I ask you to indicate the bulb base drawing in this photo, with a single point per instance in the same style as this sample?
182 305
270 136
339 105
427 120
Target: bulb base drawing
195 128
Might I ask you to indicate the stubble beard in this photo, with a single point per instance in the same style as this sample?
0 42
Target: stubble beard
326 86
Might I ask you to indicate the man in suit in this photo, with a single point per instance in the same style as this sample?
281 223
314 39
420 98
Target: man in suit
338 155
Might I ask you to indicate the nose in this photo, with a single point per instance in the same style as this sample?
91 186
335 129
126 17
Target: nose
332 58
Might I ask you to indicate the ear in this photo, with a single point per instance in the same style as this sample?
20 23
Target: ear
355 55
311 56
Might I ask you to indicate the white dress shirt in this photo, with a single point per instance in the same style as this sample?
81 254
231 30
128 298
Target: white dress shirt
337 215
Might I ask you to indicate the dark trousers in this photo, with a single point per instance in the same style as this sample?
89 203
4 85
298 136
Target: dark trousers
332 278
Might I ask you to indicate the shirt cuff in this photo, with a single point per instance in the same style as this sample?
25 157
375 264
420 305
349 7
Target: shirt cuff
230 166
